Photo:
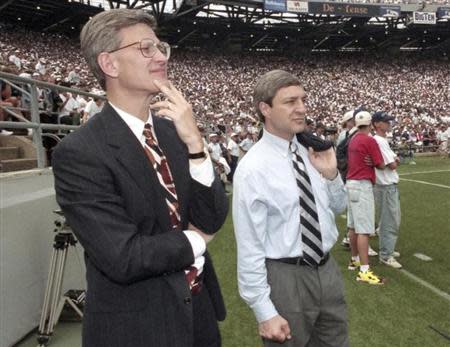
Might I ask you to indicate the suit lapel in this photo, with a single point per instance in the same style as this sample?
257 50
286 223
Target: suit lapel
130 153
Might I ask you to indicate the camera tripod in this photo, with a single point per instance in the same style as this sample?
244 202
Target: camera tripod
54 302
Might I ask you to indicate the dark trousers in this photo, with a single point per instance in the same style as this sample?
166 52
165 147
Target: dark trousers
312 301
206 329
233 166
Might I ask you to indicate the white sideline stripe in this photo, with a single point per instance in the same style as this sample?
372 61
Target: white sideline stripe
435 290
428 183
422 172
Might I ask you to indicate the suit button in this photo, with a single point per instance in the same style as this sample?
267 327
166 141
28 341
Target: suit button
187 300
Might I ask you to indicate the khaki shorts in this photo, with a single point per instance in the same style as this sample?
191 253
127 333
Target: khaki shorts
360 206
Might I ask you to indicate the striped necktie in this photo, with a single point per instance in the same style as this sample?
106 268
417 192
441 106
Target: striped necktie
161 166
309 220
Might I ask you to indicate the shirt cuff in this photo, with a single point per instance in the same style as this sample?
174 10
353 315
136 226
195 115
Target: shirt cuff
198 264
264 310
203 172
197 242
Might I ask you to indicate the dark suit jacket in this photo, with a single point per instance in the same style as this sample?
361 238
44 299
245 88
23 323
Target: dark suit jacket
137 294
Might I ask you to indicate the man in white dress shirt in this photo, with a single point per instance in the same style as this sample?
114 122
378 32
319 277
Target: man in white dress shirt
296 303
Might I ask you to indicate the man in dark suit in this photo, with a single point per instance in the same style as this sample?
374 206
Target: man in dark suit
141 196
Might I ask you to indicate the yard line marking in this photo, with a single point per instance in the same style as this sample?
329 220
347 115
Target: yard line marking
423 257
428 183
422 172
435 290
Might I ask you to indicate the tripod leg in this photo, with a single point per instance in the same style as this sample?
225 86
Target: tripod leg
58 285
75 307
42 337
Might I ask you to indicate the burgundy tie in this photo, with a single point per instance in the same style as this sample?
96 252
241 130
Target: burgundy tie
161 166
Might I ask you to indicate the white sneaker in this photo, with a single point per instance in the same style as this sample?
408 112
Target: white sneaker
345 242
396 254
392 262
6 132
372 252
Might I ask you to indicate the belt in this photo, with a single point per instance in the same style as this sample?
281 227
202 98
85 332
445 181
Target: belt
300 261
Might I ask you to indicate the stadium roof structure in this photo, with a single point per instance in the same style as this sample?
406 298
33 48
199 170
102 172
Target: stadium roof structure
246 25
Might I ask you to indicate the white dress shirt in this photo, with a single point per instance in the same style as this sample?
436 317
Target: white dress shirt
266 215
202 173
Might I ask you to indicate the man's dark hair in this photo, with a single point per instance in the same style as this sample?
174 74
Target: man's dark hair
269 84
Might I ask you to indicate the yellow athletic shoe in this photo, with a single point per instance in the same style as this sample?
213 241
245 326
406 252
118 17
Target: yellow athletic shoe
353 265
369 277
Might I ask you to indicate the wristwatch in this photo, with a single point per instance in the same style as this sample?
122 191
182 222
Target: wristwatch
197 155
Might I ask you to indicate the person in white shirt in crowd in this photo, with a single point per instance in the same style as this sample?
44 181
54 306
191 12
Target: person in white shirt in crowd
40 66
69 108
214 147
220 164
74 76
93 107
247 143
13 58
442 137
234 152
348 123
285 198
239 126
386 193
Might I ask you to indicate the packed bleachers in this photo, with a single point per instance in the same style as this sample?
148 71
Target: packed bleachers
415 91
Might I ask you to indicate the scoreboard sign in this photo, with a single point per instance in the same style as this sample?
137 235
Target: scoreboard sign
443 12
297 6
340 9
275 5
424 18
390 11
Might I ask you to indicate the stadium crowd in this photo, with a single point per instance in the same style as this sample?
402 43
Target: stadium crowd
416 92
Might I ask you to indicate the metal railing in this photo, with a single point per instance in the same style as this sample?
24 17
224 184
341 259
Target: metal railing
28 87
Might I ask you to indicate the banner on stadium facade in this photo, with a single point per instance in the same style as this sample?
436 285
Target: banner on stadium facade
275 5
390 11
424 17
340 9
443 12
297 6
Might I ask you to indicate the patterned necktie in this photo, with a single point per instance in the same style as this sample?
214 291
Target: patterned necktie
309 220
159 163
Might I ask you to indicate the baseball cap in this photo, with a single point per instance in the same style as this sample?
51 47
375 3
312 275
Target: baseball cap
347 116
363 118
381 116
212 135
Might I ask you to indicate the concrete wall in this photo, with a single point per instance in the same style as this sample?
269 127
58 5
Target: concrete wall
27 200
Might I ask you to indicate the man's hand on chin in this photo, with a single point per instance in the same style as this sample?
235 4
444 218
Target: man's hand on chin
275 329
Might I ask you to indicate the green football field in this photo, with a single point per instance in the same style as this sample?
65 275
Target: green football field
414 299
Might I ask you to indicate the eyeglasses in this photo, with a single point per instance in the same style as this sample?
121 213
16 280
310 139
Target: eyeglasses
149 48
